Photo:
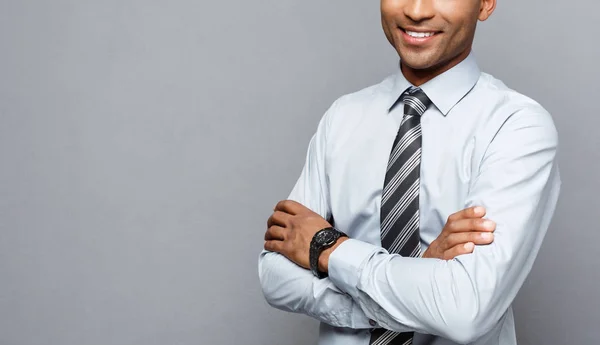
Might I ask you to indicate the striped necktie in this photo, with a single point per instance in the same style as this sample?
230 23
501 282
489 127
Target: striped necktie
400 198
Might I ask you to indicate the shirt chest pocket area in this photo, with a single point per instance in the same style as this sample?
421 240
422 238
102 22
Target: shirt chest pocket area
446 176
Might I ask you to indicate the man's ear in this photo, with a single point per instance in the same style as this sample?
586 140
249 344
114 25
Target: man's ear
486 9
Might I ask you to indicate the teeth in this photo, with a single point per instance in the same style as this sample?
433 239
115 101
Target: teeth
419 34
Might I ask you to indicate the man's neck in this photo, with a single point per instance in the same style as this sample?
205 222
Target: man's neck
418 77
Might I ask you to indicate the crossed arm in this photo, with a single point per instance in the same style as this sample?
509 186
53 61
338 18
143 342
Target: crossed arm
460 299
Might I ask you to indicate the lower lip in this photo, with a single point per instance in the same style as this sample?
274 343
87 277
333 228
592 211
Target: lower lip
417 40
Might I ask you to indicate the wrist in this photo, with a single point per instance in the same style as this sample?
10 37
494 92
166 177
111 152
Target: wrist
324 257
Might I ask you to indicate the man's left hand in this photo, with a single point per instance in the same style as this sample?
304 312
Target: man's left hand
291 228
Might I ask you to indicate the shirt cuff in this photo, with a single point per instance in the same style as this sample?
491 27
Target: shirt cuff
346 263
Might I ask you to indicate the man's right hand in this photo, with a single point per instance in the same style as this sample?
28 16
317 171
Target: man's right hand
463 230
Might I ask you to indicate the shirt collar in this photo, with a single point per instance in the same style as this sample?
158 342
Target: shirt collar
445 90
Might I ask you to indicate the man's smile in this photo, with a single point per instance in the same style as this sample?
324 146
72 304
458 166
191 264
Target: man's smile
418 36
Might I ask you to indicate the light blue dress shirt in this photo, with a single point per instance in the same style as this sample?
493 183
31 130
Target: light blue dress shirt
483 144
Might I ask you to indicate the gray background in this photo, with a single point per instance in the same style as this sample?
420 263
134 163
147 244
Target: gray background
144 143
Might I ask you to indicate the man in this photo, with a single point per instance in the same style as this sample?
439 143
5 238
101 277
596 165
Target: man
384 245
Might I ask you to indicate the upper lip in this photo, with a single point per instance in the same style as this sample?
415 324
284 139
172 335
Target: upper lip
413 29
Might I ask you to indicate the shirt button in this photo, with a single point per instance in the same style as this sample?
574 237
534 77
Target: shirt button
372 323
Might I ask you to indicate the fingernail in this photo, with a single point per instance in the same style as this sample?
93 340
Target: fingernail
469 246
487 235
488 224
479 209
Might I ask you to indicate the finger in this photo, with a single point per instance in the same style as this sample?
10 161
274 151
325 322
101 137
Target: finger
278 218
475 237
273 246
470 224
275 233
469 212
461 249
289 206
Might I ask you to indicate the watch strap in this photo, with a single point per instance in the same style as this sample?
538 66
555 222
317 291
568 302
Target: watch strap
317 247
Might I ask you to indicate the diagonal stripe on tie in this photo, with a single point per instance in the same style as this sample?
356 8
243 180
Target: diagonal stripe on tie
409 229
404 143
407 235
400 196
386 338
400 177
415 105
402 165
416 251
399 208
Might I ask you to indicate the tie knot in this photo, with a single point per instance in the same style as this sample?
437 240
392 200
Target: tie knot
415 101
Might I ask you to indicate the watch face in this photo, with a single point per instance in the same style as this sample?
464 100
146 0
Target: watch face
326 237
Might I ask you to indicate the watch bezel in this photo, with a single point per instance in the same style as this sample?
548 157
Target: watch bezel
322 239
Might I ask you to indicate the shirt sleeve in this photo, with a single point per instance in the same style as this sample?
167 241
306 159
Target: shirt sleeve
462 299
289 287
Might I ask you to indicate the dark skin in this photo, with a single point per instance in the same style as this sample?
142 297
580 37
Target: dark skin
292 226
451 25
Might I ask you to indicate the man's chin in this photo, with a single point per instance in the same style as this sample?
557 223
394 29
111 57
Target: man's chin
418 61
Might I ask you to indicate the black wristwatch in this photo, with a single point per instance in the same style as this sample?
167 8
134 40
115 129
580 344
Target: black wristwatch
322 240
